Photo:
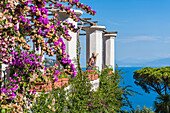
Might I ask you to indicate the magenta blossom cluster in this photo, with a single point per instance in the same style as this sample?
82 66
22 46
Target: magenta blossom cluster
78 5
24 62
27 60
83 7
19 28
11 89
65 61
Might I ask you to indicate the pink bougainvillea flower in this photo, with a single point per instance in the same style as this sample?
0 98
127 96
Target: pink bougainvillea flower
15 75
56 79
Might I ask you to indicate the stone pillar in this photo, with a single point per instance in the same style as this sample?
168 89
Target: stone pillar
71 45
94 43
109 50
5 71
38 51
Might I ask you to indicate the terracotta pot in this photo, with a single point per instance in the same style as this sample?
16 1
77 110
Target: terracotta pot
64 81
92 76
57 84
32 78
38 86
110 72
88 76
96 76
39 83
48 87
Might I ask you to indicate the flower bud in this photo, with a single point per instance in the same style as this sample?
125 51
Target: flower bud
60 51
49 107
53 109
38 13
44 15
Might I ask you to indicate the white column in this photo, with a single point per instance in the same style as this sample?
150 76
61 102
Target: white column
109 50
71 45
94 43
5 71
38 51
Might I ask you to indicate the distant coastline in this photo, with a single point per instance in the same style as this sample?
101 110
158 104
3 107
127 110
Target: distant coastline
132 62
142 65
128 66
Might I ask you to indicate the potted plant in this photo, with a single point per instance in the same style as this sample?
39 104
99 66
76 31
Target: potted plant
110 72
91 74
96 76
58 83
64 78
87 74
38 86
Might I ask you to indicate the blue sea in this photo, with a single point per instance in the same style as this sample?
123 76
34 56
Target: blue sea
137 100
141 100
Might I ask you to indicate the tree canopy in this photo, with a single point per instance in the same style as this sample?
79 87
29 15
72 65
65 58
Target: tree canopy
153 79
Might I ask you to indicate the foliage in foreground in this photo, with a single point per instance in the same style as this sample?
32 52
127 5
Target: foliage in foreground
109 97
143 110
162 105
112 92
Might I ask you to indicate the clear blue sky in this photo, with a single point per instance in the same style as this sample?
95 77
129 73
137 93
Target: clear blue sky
143 27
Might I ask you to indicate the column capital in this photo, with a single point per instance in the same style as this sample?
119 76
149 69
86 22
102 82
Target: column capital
110 35
62 14
94 28
78 12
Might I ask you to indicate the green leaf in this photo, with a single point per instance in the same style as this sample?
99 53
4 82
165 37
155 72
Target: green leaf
3 111
38 79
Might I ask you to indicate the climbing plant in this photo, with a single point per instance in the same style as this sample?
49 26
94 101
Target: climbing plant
29 21
26 21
